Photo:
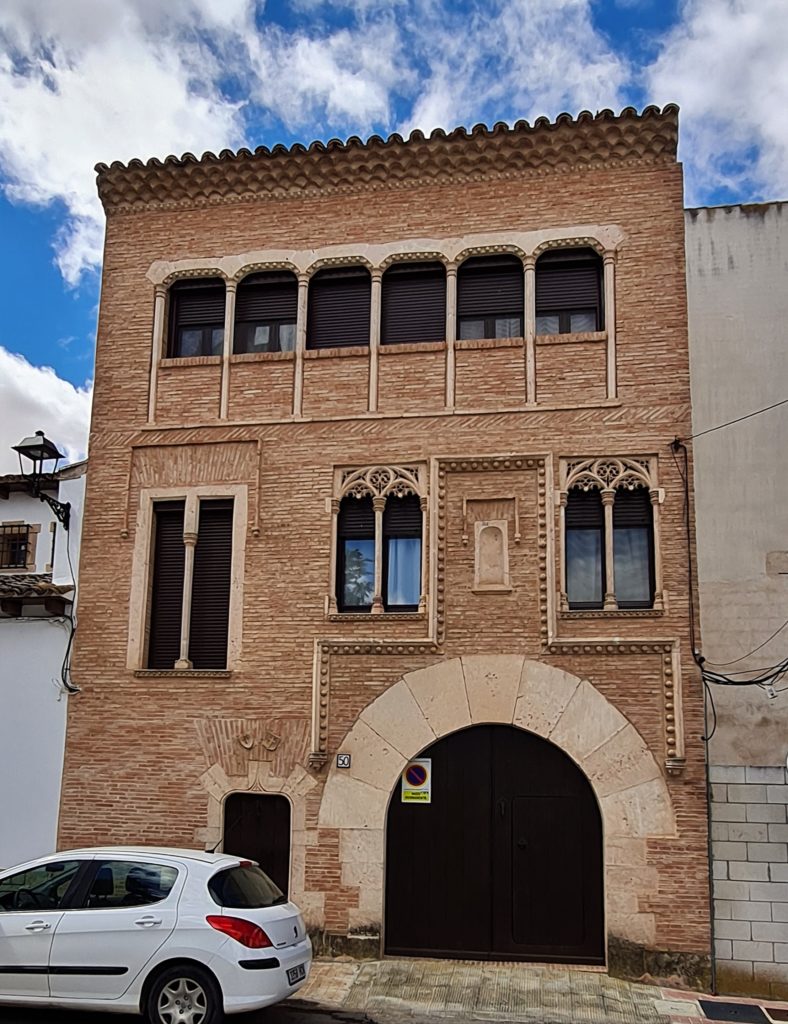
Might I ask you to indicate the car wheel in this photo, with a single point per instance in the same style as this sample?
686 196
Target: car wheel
184 995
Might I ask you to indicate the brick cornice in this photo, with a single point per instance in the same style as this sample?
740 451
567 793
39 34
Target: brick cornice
588 141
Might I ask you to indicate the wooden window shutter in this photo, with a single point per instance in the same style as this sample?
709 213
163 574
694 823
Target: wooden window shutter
490 286
166 599
195 303
339 308
402 516
584 510
413 303
569 279
210 610
267 296
356 519
632 508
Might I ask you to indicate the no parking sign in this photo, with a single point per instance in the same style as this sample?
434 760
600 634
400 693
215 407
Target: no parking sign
417 781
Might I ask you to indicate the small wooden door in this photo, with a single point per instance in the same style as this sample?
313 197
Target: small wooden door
505 862
257 826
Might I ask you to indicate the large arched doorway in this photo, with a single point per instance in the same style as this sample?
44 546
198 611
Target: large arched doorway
505 862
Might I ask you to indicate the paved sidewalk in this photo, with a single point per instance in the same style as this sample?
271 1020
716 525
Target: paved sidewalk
420 989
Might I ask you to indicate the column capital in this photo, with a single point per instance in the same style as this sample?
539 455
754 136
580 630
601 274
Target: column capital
376 274
654 495
303 279
190 540
529 262
378 503
451 269
563 498
230 285
609 256
608 495
335 503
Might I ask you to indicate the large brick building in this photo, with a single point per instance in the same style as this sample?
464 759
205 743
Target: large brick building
380 468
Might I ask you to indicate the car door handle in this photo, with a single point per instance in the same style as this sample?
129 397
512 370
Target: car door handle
148 921
38 926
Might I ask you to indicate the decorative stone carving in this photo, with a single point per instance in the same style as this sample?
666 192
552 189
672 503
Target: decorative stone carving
380 482
605 474
491 562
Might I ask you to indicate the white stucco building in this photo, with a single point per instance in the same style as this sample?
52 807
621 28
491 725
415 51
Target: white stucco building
737 288
37 594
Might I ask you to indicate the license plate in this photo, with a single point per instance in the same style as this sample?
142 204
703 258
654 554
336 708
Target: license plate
296 974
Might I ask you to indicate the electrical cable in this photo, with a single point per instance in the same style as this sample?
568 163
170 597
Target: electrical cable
65 669
724 664
738 419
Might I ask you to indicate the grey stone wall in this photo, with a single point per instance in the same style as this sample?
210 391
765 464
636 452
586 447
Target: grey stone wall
750 863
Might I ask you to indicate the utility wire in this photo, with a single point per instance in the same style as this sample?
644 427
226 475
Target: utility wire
725 664
738 419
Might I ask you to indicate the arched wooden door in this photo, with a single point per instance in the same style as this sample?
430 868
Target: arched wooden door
506 860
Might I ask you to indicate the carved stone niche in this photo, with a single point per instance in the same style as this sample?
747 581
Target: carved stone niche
491 560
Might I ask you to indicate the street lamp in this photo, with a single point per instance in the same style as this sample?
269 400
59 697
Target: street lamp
38 450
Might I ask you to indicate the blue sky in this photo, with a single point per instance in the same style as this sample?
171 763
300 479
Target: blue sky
83 81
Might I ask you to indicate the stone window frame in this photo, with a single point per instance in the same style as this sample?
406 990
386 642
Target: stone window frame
378 481
607 474
142 574
451 252
33 530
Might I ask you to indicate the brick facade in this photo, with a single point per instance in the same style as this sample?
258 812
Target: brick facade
150 756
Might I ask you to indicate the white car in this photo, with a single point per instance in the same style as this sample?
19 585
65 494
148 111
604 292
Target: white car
178 935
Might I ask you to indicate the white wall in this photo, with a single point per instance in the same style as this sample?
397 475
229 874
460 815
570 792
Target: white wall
21 507
737 284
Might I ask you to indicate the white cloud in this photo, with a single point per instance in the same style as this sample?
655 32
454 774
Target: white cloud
35 398
726 64
514 58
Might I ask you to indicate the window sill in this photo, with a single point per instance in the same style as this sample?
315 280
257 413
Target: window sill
338 352
182 673
191 361
613 613
262 357
398 348
367 617
571 339
477 343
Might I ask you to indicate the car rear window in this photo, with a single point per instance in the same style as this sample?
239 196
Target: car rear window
246 887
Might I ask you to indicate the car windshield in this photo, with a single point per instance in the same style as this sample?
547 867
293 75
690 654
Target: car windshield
245 887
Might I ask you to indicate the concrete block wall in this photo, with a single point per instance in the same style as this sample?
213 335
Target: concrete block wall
750 853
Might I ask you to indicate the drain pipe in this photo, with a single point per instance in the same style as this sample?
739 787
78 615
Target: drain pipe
709 849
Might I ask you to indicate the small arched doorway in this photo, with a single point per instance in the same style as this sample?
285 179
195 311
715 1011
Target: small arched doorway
505 862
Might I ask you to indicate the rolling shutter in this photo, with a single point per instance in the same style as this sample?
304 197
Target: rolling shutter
584 511
413 303
167 589
490 286
210 611
402 517
197 303
269 296
356 519
632 508
339 308
568 279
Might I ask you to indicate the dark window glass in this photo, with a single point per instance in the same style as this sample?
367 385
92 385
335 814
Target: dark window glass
490 297
40 888
339 307
266 308
14 542
121 883
210 609
402 539
244 888
196 318
413 303
585 549
166 599
356 554
633 548
569 292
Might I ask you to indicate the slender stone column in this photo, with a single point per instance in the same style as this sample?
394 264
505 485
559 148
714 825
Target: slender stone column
332 584
157 352
564 598
227 350
610 323
608 497
530 330
423 589
298 371
191 517
658 595
374 338
378 504
451 331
